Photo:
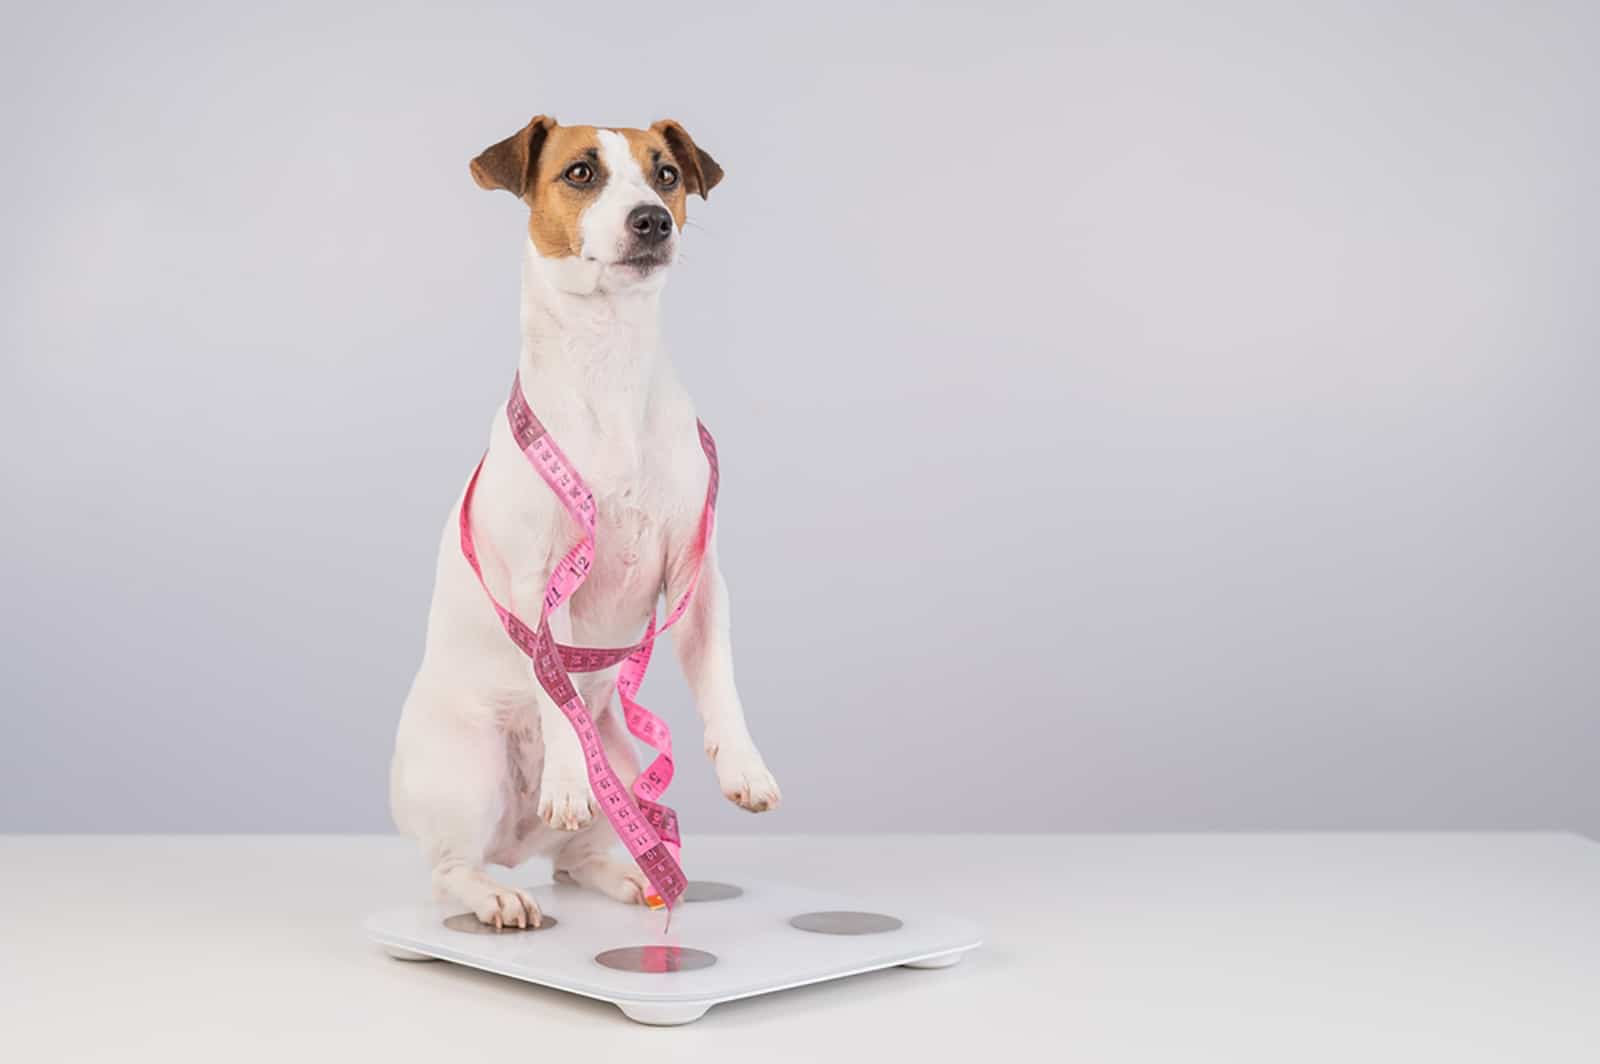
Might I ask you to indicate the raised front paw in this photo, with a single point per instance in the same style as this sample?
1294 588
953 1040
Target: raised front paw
744 778
564 803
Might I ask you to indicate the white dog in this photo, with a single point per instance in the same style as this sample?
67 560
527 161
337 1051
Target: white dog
486 768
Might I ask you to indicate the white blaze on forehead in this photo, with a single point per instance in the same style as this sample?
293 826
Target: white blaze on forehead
617 158
605 222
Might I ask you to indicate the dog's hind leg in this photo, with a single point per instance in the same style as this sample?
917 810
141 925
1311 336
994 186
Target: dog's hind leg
450 788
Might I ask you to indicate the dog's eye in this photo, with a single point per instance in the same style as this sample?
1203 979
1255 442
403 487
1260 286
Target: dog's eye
667 176
579 173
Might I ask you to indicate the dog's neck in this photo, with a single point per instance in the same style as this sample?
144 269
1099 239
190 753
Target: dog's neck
602 348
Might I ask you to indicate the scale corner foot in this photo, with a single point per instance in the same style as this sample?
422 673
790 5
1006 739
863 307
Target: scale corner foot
673 1014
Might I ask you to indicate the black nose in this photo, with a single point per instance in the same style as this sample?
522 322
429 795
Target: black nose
650 225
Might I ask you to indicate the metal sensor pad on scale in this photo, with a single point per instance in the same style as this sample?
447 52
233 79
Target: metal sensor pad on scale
845 923
655 959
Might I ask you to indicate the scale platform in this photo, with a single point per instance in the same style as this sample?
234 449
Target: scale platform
731 937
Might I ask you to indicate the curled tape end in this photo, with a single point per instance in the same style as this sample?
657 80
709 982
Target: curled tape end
658 904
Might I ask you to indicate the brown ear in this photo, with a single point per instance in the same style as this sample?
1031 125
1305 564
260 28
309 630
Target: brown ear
700 171
511 163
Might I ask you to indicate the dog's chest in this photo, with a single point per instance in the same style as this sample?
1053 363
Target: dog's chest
630 534
631 455
626 533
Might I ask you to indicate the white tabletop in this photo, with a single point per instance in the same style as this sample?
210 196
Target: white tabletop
1237 948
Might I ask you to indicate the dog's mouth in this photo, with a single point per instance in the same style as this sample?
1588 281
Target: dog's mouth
644 263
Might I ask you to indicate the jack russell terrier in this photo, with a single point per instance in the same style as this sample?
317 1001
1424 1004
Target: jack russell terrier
486 768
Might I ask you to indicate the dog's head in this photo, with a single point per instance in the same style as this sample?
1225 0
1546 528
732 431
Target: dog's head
607 205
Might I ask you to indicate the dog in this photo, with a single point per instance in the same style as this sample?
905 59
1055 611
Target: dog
486 769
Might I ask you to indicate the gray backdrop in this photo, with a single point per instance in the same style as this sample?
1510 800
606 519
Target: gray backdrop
1134 417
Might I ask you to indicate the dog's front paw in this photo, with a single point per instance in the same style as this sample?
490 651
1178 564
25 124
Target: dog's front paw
744 777
564 803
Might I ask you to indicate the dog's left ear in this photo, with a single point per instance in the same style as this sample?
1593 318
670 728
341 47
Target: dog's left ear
700 171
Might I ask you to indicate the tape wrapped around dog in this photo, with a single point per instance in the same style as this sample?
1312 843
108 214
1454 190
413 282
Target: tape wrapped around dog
647 827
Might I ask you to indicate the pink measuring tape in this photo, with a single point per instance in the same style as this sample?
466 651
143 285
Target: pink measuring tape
646 827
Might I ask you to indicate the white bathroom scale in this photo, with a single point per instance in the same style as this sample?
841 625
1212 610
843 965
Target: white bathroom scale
731 937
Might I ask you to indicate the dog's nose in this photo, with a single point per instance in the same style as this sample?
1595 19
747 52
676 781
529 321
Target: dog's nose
650 224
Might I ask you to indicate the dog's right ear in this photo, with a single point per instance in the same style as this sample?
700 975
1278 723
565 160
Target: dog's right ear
511 163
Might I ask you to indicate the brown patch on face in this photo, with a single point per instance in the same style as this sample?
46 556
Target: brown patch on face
531 164
557 204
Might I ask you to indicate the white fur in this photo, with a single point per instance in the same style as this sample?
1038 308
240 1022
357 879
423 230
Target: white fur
486 768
